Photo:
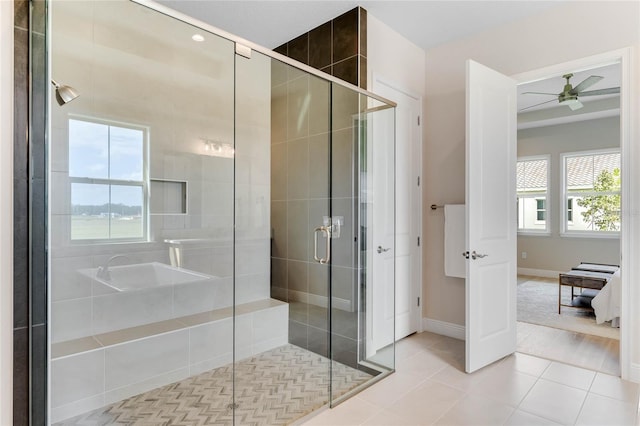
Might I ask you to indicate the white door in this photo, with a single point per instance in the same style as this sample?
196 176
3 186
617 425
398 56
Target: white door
408 204
490 216
381 211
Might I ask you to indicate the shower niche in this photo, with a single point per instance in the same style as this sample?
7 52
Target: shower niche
190 205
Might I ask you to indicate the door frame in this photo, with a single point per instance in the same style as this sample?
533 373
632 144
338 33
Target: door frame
628 247
416 217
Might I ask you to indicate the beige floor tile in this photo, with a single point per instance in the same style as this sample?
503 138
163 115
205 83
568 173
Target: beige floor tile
457 378
389 390
569 375
602 411
476 410
527 364
388 418
554 401
422 365
504 385
427 403
522 418
615 387
354 411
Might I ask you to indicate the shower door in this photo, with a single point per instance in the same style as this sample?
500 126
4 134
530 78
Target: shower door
303 167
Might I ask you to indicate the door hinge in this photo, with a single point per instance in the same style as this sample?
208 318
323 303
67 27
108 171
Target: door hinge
418 301
418 120
418 241
418 180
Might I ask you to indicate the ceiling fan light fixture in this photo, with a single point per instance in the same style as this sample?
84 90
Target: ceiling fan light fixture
572 102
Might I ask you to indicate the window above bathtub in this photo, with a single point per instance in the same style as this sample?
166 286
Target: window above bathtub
108 180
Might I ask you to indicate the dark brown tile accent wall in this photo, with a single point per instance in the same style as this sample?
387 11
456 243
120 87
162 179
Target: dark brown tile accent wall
29 180
337 47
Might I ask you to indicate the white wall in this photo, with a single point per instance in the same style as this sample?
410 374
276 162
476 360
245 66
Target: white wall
529 44
393 57
553 252
6 212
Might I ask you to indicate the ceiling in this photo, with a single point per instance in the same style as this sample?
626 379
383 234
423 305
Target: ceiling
426 23
611 74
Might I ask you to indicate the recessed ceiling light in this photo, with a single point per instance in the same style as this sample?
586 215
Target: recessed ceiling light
197 37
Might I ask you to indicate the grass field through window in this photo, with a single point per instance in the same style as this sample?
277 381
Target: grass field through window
97 227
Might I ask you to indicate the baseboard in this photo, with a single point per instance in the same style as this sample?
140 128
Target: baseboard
443 328
634 373
543 273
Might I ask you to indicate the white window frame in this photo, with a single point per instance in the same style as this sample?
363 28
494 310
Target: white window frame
547 197
144 184
564 194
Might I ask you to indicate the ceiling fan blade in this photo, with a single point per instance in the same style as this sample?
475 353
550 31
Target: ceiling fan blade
609 91
586 83
575 105
539 93
533 106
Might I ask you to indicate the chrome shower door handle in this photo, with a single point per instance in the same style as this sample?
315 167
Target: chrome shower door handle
326 230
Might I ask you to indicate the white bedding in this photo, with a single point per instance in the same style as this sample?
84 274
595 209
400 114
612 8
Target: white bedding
607 303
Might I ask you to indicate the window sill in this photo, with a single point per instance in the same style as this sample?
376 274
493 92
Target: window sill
534 234
593 235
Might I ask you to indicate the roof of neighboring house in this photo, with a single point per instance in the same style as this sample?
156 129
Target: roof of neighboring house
582 171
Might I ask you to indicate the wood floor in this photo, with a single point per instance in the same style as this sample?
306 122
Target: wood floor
582 350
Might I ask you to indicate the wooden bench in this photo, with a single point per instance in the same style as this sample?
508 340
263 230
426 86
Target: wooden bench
582 279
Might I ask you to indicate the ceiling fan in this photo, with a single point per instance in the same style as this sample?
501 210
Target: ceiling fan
569 95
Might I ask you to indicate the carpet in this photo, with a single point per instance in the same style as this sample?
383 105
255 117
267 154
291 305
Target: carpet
538 304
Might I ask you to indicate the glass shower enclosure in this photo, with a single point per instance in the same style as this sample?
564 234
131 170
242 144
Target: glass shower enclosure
210 224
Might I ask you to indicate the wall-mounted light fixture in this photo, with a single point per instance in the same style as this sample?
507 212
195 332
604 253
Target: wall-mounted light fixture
218 148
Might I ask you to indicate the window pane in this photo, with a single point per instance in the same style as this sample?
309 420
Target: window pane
126 153
597 172
90 211
532 176
126 211
88 149
596 213
529 215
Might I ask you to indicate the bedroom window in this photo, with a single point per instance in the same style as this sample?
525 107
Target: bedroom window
107 163
591 191
532 186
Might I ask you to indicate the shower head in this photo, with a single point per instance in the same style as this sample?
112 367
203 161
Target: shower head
64 93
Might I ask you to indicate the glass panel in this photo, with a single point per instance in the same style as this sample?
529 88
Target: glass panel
126 211
89 211
88 149
129 320
362 208
126 153
282 195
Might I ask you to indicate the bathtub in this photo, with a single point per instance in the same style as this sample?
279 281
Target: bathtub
145 275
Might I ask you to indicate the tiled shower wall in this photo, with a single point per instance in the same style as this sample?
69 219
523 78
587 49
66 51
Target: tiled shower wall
313 158
30 308
337 47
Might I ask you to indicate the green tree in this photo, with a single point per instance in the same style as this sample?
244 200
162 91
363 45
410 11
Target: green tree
603 211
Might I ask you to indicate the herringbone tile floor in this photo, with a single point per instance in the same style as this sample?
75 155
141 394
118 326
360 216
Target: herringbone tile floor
275 387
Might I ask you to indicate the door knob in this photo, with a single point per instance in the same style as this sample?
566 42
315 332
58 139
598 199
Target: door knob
382 250
475 255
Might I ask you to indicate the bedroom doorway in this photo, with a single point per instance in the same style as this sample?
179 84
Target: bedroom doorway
570 184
